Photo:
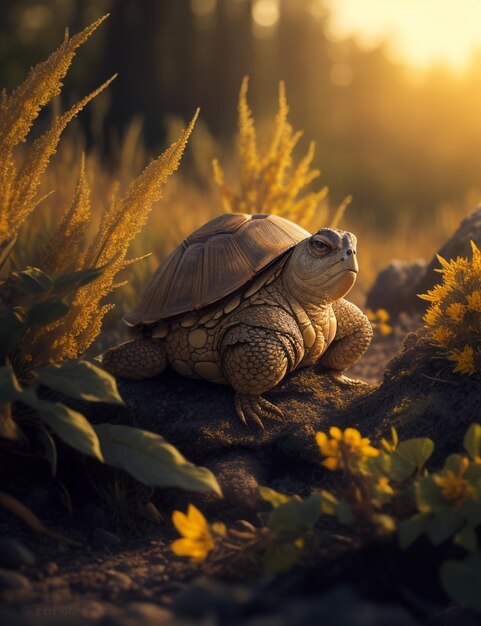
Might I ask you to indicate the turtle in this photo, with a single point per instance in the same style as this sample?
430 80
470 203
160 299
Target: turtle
244 300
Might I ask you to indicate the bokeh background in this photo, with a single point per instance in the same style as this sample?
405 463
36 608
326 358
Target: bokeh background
389 89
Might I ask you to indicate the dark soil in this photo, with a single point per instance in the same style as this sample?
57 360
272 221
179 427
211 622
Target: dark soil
123 572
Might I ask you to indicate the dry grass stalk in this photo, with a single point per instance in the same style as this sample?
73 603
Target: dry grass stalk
18 112
120 223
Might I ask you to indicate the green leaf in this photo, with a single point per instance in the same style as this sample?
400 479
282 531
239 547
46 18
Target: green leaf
151 460
428 495
344 512
472 441
46 312
281 558
467 539
274 497
410 455
71 426
412 528
462 581
9 385
296 516
73 280
453 463
81 380
32 280
12 329
472 512
444 525
49 447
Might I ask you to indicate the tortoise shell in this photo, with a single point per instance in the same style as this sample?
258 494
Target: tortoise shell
213 262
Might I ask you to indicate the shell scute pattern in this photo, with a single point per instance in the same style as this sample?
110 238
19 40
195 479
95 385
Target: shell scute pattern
216 261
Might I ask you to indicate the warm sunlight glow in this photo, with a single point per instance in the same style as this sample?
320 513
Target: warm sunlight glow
420 32
265 15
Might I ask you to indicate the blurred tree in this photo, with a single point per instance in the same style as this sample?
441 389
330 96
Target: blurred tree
394 143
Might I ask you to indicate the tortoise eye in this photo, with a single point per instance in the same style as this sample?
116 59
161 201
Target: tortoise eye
320 246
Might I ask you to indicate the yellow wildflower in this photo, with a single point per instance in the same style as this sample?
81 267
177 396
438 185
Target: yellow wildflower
454 486
343 447
464 360
197 535
474 301
442 335
382 315
456 311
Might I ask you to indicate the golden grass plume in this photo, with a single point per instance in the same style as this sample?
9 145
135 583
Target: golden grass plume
272 182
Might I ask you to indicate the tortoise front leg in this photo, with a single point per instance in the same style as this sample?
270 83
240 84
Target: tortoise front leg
254 360
353 336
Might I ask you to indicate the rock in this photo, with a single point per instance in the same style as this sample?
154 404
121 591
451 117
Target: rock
14 555
457 245
397 285
393 288
105 539
13 581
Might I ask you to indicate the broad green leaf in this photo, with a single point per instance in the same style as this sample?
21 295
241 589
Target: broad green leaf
49 447
453 462
444 525
9 385
71 426
329 502
296 516
32 280
462 581
281 558
73 280
46 312
12 328
272 496
472 512
151 460
412 528
80 379
428 495
344 512
472 441
410 455
467 539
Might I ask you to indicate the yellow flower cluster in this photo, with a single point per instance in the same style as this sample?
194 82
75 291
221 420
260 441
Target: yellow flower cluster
344 449
454 486
454 313
198 536
271 183
380 321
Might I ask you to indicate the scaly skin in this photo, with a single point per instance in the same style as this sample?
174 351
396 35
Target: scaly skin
252 342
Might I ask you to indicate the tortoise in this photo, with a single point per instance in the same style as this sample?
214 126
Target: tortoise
244 300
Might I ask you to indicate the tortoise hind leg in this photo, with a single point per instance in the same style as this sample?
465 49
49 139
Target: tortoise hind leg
137 359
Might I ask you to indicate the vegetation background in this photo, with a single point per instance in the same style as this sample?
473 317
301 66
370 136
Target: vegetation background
403 142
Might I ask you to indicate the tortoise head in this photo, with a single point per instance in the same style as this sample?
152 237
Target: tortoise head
323 267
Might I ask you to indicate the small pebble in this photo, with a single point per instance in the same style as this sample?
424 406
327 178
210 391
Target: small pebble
51 568
14 555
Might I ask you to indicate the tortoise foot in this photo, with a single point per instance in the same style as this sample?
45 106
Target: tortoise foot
256 408
344 380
